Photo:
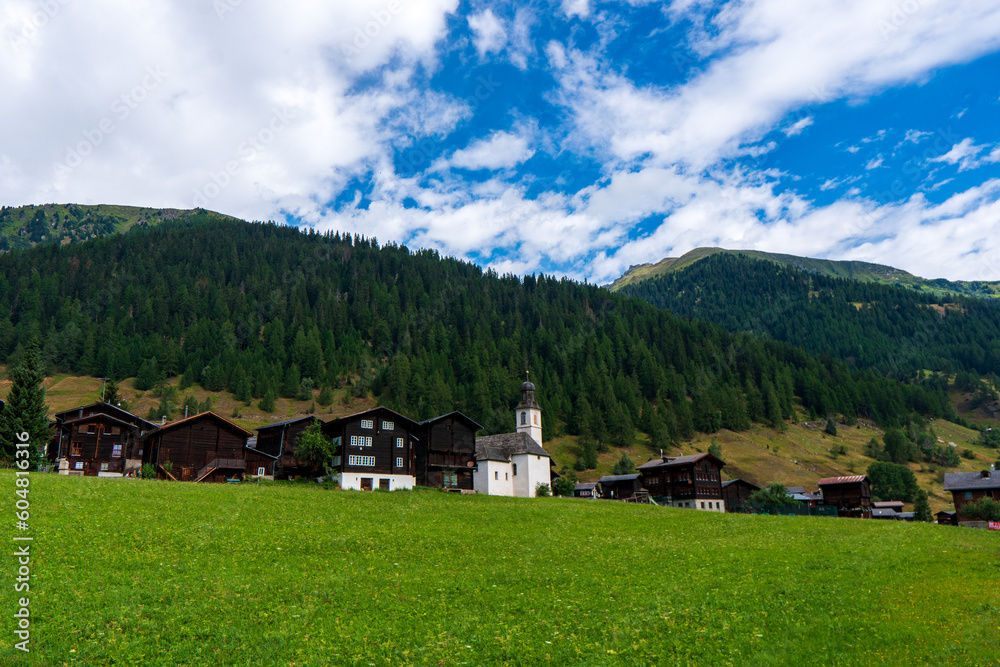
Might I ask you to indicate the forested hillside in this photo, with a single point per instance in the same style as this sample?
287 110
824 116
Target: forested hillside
263 309
892 330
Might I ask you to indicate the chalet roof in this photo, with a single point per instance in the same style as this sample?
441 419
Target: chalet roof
729 482
669 461
884 513
586 486
106 407
802 497
959 481
289 421
502 447
201 415
795 489
948 513
618 478
100 415
893 504
852 479
456 415
375 410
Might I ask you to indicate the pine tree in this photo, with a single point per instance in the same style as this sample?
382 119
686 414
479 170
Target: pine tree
25 411
267 403
325 398
921 508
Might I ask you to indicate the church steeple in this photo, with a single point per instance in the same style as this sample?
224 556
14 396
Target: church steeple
528 414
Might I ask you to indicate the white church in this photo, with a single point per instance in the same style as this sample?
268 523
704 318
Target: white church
514 464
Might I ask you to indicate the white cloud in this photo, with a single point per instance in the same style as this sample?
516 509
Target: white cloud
916 136
965 153
798 126
874 163
579 8
490 35
502 150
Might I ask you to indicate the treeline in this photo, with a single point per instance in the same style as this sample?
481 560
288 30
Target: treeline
264 310
891 330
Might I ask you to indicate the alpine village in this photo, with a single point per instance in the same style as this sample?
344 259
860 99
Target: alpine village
733 401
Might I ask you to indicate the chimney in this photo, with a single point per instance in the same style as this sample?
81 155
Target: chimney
163 420
985 473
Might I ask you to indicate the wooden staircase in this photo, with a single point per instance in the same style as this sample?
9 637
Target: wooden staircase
216 464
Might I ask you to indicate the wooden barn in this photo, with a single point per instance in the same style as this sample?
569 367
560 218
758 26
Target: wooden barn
202 448
947 518
736 492
446 452
620 487
852 495
967 487
375 449
589 490
99 440
693 481
272 455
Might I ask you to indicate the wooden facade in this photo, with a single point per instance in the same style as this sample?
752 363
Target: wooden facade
274 450
97 439
852 496
374 444
445 455
619 487
202 448
736 492
693 481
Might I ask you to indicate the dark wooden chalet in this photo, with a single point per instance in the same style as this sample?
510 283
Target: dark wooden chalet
202 448
852 496
97 439
693 481
446 452
968 487
736 492
947 518
620 487
589 490
375 449
273 452
894 505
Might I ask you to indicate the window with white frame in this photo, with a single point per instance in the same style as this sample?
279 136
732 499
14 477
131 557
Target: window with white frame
363 461
399 442
260 472
387 426
367 423
79 465
116 449
361 441
399 461
104 466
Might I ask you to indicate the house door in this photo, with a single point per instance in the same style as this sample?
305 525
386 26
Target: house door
366 483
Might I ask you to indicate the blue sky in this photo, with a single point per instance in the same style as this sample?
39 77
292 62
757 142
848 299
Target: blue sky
573 137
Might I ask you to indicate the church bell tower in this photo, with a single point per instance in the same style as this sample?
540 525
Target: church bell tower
528 414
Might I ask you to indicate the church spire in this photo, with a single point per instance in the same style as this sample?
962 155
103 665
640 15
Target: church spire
528 414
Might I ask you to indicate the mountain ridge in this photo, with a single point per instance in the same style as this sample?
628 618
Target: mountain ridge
849 269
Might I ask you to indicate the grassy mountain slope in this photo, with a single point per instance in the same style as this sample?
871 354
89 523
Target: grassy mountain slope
157 573
27 226
852 270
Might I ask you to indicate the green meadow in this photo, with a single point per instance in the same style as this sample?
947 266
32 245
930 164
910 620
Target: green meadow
134 572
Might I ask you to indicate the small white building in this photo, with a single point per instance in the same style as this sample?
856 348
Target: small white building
514 464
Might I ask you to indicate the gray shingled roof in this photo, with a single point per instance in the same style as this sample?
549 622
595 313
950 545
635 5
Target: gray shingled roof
586 486
502 447
290 421
671 461
884 512
959 481
618 478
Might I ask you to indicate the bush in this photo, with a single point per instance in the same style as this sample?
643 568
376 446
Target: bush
563 486
986 509
542 491
148 471
968 454
838 450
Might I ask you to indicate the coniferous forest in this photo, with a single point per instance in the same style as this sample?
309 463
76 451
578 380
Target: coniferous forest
263 310
892 330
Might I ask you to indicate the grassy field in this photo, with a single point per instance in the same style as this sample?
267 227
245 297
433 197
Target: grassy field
155 573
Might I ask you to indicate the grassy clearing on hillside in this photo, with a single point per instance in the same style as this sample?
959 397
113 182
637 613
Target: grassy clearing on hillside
156 573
